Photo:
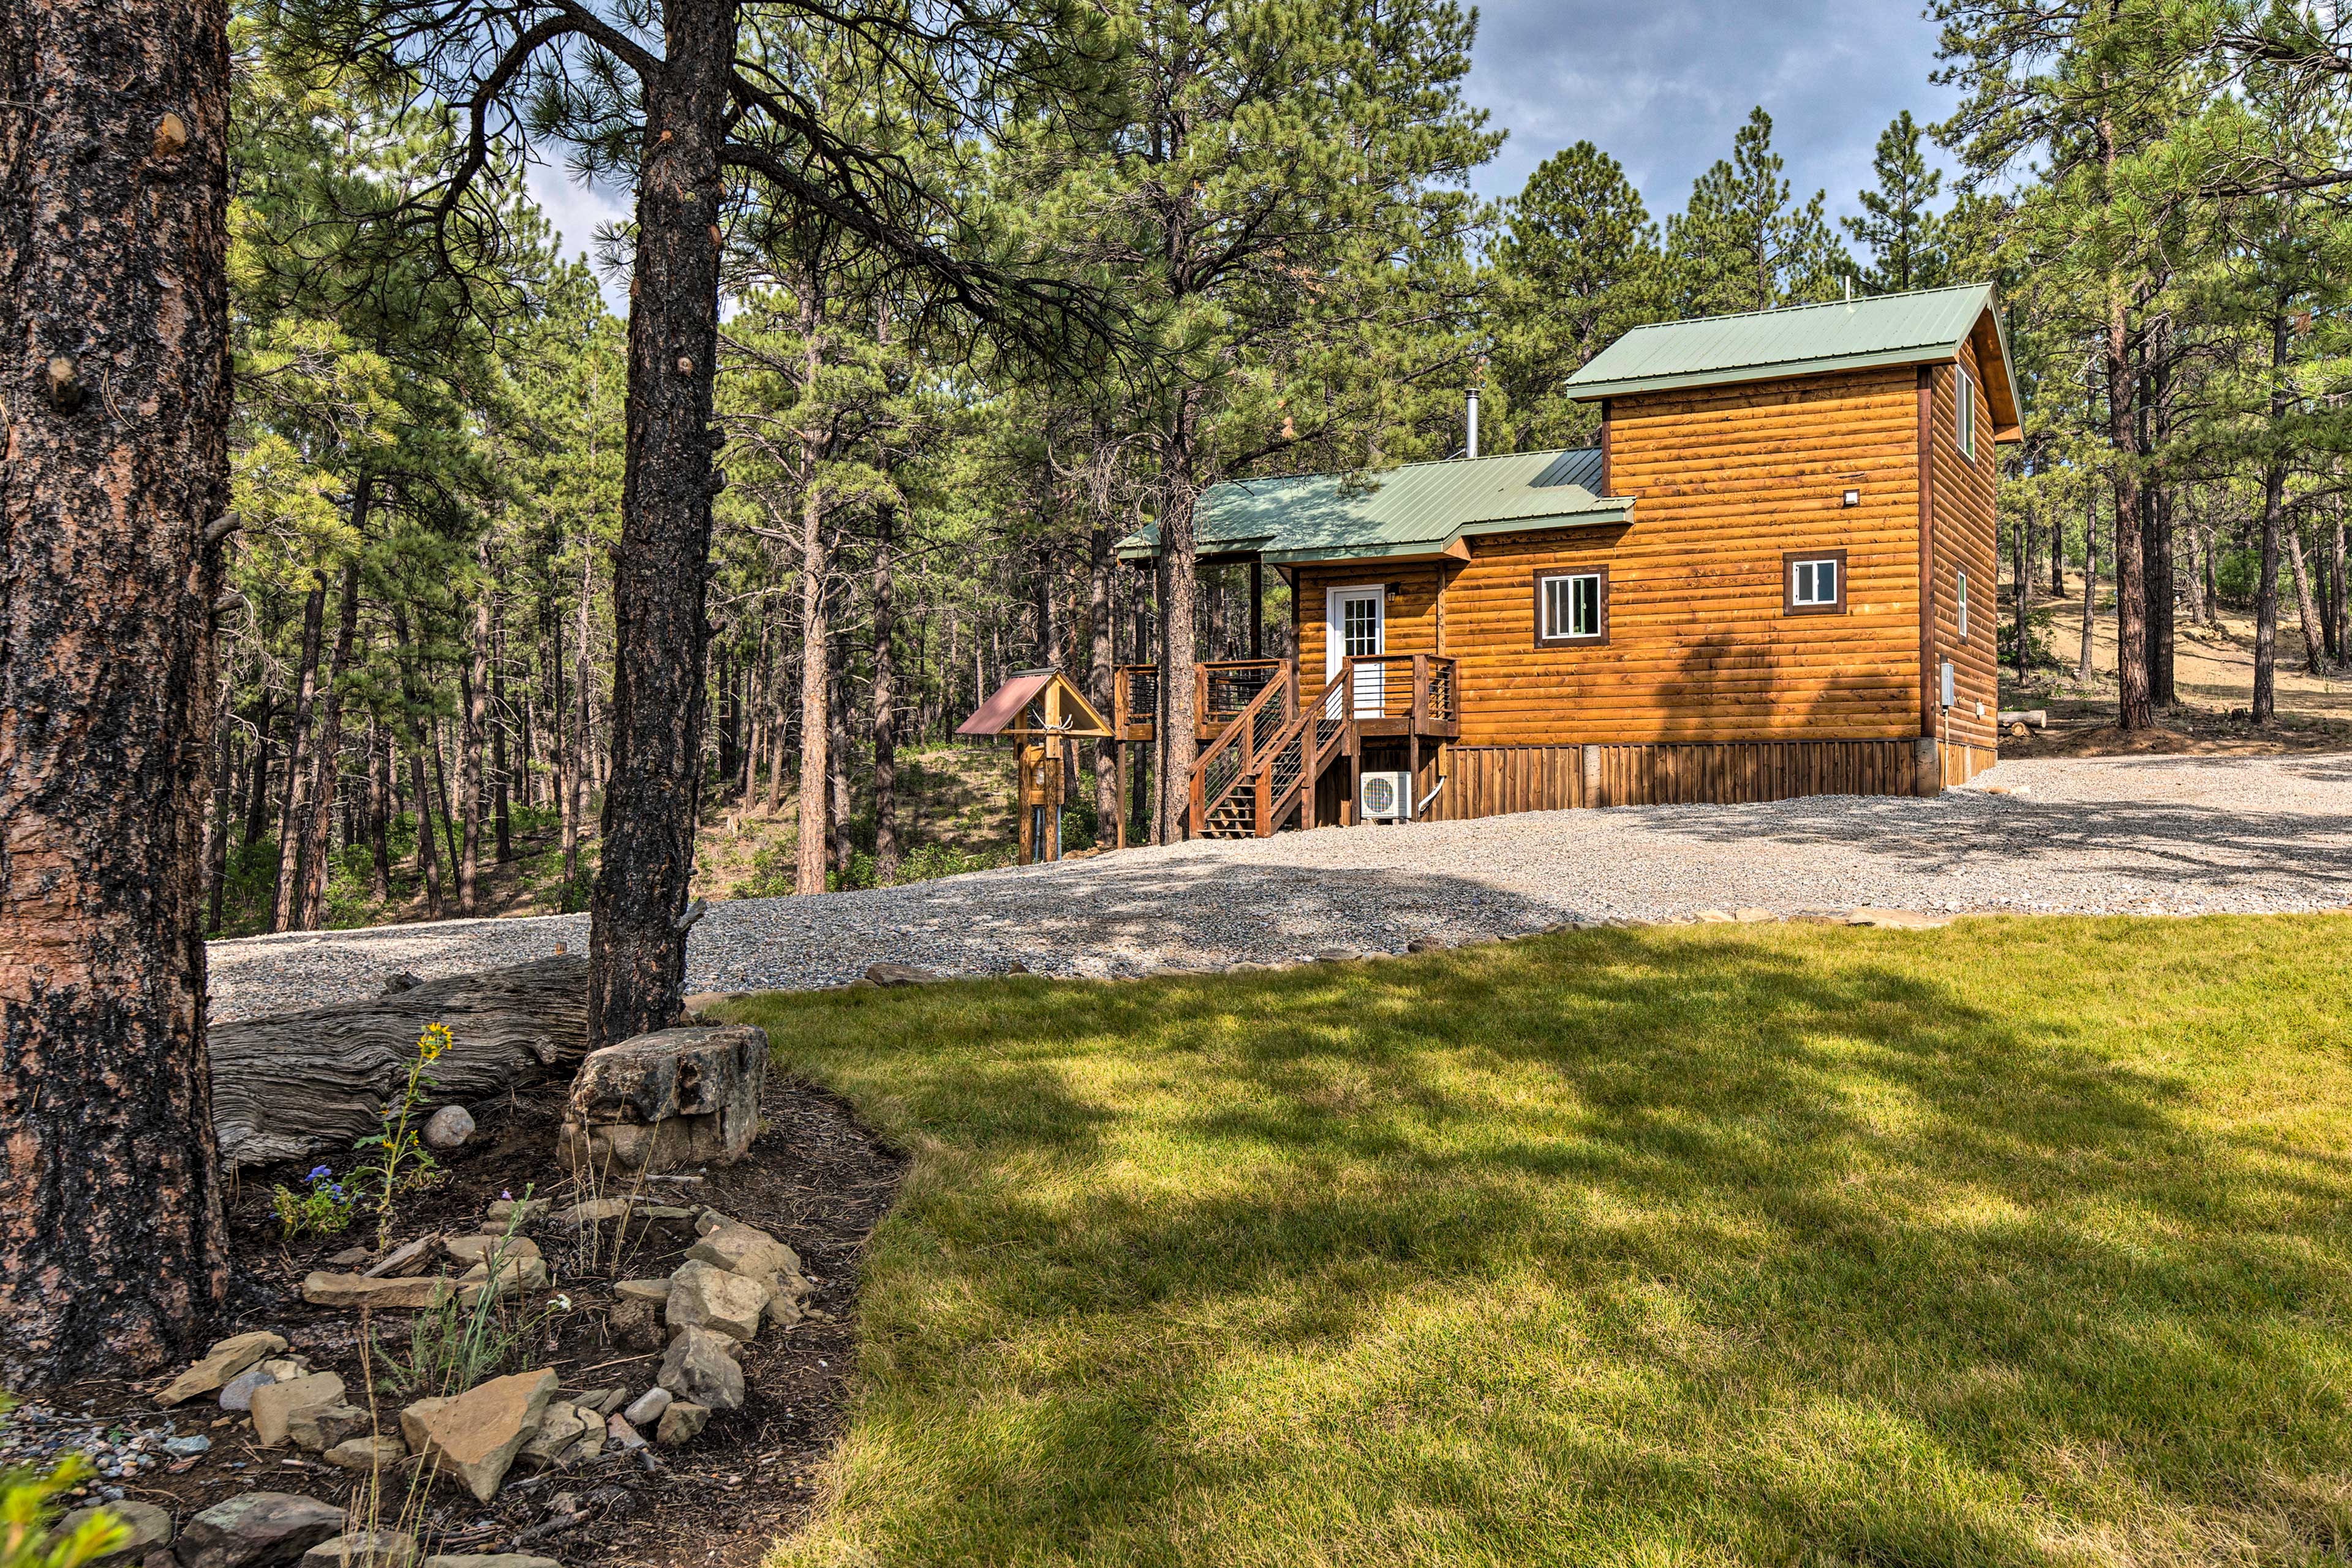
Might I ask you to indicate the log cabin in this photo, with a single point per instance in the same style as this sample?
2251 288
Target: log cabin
1773 575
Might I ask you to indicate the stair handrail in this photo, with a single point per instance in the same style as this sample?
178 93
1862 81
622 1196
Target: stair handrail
1241 725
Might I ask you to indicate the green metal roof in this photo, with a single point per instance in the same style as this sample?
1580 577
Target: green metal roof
1416 509
1923 326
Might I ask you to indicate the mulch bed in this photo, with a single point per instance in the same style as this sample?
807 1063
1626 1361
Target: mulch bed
815 1179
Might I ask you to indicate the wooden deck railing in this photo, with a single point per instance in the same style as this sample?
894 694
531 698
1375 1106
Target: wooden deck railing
1231 759
1397 693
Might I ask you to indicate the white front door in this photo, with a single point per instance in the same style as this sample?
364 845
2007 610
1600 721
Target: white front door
1356 626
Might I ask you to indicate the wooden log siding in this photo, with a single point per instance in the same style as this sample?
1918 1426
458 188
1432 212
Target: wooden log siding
1491 780
1966 536
1412 609
1726 481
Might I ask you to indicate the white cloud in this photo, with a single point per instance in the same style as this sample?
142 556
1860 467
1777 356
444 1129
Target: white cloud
576 210
1662 85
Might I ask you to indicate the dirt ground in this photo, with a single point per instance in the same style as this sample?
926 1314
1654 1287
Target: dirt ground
2213 677
815 1180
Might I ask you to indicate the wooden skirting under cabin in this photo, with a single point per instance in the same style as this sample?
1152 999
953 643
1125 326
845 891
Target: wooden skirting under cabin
1491 780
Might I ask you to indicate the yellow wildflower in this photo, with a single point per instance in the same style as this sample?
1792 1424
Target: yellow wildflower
433 1041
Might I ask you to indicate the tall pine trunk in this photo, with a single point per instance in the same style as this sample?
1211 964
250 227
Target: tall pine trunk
476 690
294 804
378 811
817 644
645 860
502 827
2083 665
114 411
1101 658
2306 611
2265 703
311 906
885 716
1180 582
2134 709
575 752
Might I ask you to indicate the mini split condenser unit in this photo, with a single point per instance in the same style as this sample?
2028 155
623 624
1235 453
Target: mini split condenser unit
1385 797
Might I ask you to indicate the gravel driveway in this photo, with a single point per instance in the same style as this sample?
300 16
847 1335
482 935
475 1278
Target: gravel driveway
2133 835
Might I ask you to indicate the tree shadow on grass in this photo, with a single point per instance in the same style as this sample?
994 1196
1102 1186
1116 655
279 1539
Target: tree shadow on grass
1775 1247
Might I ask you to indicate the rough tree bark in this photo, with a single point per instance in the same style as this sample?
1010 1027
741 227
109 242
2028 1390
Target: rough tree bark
660 573
114 410
886 718
476 692
816 646
310 903
378 811
2305 605
1180 586
836 780
293 808
576 751
502 826
1100 675
256 795
2083 667
2265 703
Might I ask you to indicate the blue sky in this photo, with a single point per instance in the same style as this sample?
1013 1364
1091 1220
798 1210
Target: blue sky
1661 85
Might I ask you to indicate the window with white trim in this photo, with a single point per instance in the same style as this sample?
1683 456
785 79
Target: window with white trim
1964 387
1814 584
1571 607
1961 599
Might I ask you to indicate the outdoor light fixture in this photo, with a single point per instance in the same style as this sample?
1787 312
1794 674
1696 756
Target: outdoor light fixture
1854 498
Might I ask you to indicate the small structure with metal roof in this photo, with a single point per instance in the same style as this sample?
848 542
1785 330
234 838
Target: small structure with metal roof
1420 508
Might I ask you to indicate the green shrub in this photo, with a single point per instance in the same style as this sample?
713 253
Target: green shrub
29 1537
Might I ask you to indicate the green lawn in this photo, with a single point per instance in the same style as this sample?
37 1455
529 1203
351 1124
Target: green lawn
2017 1242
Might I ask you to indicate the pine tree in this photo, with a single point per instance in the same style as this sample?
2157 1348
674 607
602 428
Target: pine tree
1905 238
114 498
1740 245
1577 263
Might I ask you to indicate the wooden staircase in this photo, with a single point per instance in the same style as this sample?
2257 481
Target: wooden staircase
1259 773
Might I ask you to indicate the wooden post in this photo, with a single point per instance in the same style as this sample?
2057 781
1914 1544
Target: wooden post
1420 692
1118 798
1257 609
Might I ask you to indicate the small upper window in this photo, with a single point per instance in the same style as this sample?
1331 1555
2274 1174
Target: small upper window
1812 583
1961 599
1571 607
1965 387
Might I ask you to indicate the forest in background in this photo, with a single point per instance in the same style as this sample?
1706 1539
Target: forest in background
430 433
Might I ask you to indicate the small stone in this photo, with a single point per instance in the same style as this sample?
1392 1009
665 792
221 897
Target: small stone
1427 944
618 1431
568 1433
476 1436
254 1529
783 1309
1754 916
595 1211
449 1127
318 1429
275 1404
1714 917
700 1368
236 1394
704 1296
286 1369
408 1258
649 1407
502 1210
1337 955
602 1401
363 1549
188 1446
365 1454
223 1362
150 1526
1897 919
901 974
654 1290
742 1249
352 1257
474 1249
681 1424
323 1289
516 1275
494 1560
400 981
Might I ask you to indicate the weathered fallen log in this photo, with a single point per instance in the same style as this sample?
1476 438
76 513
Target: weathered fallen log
303 1084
